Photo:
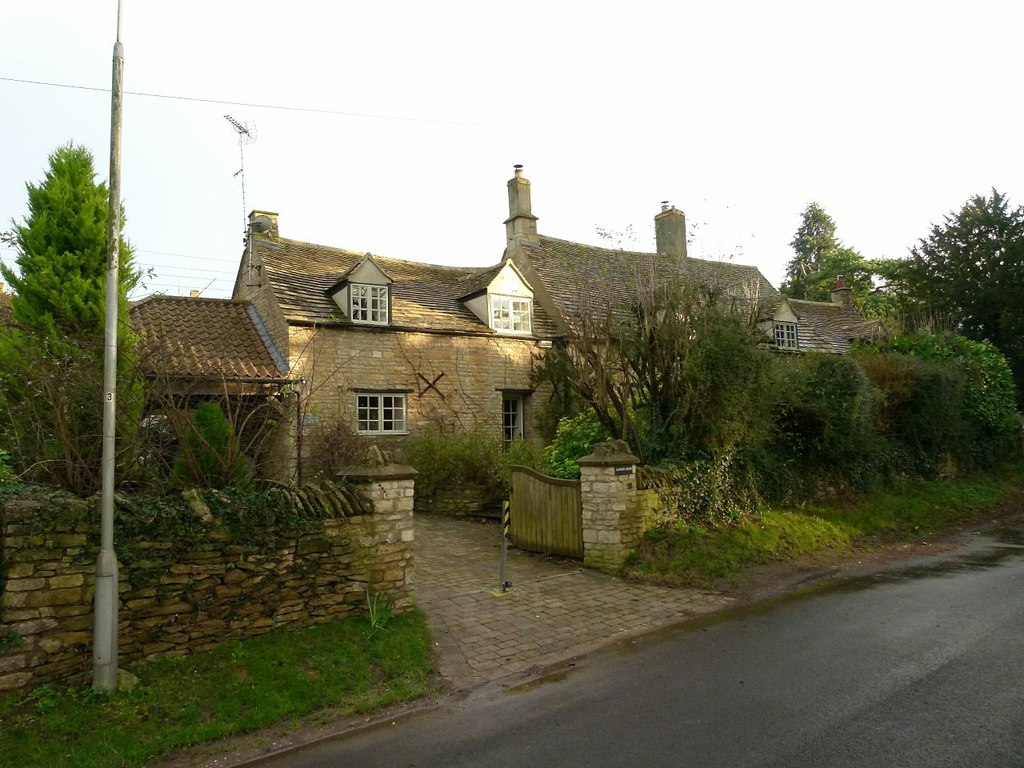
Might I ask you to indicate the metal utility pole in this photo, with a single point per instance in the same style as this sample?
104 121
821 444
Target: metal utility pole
105 614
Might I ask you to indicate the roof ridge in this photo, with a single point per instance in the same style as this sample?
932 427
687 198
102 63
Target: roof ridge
598 247
170 297
393 259
720 260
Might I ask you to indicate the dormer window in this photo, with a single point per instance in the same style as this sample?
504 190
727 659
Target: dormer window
785 335
511 314
369 304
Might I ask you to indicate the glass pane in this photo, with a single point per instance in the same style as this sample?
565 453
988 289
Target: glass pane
368 413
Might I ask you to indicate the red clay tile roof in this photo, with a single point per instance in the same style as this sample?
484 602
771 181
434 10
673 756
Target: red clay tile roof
205 339
423 296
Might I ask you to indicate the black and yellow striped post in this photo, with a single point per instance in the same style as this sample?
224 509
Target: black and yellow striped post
503 582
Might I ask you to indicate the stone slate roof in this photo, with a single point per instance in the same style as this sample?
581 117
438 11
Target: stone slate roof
205 339
423 296
827 327
579 276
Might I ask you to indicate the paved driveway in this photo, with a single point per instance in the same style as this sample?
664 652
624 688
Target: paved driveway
555 610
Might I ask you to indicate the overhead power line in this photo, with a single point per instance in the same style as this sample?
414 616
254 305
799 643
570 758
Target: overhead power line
280 107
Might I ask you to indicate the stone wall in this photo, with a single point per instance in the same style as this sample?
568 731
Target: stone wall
653 511
463 501
183 594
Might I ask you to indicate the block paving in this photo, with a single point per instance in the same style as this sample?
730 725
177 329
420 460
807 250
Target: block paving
555 609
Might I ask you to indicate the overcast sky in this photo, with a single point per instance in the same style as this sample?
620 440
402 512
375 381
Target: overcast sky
889 114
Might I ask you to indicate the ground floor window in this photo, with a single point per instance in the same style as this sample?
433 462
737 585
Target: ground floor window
380 413
512 417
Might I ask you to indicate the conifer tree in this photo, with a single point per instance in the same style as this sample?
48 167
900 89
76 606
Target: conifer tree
62 251
51 360
820 258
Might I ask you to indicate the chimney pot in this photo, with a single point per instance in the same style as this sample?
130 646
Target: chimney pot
841 294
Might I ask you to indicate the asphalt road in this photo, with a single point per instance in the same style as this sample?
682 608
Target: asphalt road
921 666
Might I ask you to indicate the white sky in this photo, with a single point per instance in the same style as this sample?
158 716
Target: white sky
889 114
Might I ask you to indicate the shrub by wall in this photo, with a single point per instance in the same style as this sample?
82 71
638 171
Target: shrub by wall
464 473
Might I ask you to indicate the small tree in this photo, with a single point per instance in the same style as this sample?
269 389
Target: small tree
670 366
51 360
211 455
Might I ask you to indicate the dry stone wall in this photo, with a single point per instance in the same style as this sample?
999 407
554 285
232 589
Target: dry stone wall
184 593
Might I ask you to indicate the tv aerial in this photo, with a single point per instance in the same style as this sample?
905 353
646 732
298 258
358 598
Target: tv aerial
246 135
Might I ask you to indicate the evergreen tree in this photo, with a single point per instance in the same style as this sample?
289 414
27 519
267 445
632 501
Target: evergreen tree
970 270
60 283
51 361
820 258
210 454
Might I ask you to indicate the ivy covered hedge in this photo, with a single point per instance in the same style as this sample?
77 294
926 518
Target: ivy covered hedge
918 406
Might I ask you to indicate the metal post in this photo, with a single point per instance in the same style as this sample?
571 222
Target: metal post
503 583
105 617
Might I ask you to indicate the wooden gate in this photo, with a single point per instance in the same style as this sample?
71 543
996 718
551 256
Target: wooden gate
546 514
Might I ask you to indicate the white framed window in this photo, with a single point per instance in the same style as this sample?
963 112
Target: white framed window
785 335
369 304
511 314
512 417
380 413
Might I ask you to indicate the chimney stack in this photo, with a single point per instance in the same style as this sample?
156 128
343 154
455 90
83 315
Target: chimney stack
263 223
670 232
521 224
841 294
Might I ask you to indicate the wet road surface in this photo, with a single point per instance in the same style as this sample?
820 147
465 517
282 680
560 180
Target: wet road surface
919 665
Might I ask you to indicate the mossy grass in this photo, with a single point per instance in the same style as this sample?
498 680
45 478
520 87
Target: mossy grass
700 555
341 667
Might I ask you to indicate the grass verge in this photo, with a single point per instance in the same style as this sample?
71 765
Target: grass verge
695 555
346 666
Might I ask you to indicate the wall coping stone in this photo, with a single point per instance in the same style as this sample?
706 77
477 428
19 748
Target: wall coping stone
360 473
609 453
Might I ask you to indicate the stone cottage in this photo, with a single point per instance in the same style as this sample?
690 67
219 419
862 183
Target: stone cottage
387 347
390 347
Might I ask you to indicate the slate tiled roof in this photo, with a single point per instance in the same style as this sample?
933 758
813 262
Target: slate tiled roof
579 276
205 338
827 327
423 296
